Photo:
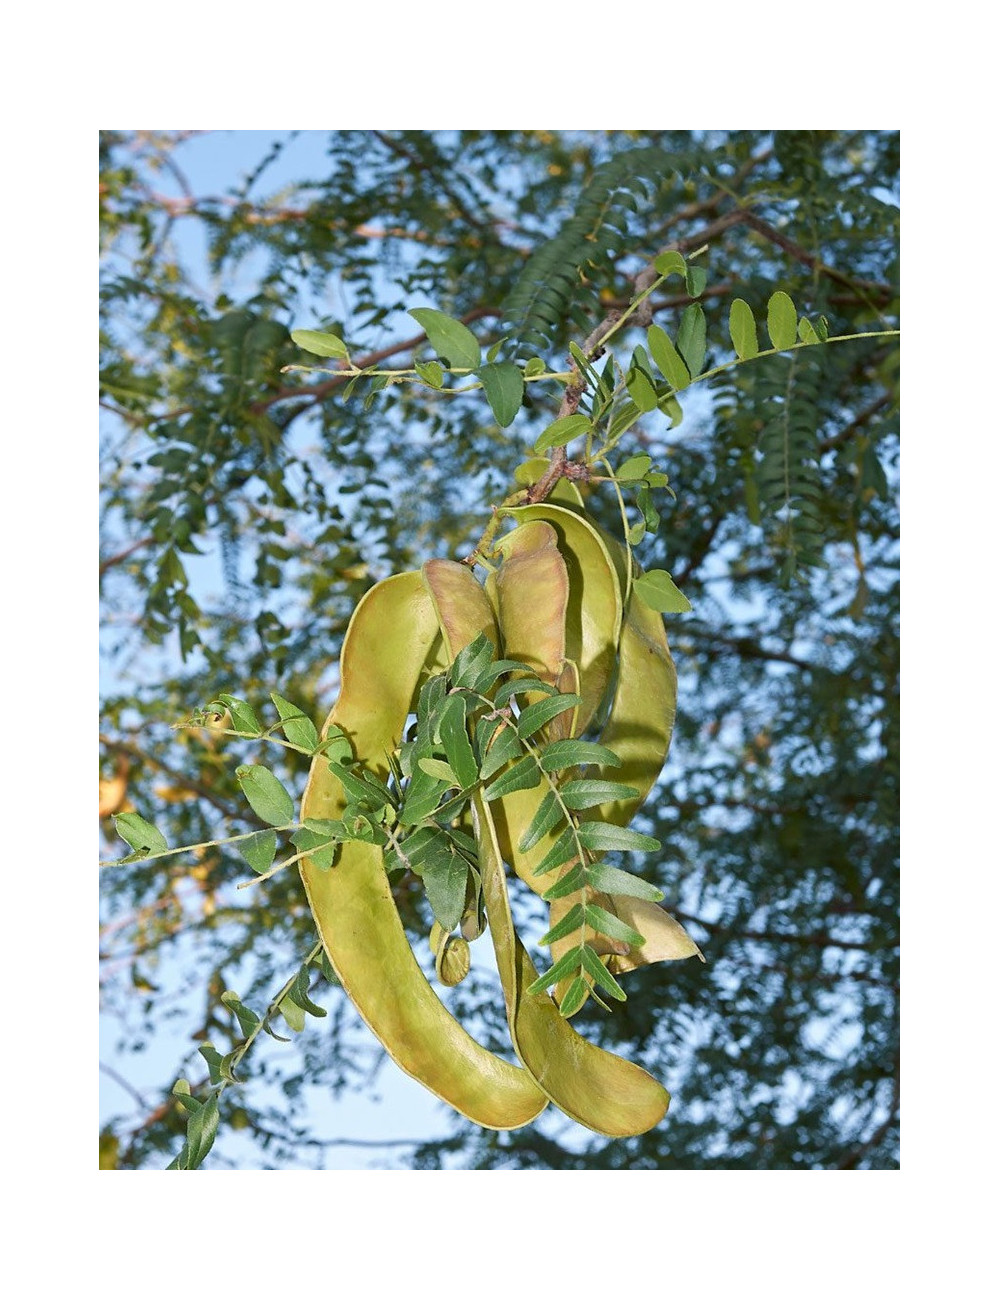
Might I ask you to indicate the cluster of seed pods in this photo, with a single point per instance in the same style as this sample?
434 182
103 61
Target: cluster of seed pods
559 601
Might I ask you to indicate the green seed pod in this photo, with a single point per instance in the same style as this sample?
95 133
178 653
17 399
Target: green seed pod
392 644
453 961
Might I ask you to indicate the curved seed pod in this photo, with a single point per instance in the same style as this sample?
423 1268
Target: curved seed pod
594 608
452 961
593 622
460 604
531 593
599 1090
392 641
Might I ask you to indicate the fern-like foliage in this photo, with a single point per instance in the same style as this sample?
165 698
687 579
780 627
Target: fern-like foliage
788 479
548 288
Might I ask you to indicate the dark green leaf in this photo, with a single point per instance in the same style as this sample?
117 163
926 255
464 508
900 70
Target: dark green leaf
319 343
691 338
547 815
610 880
566 965
536 715
524 775
657 590
445 876
430 372
457 745
505 747
439 770
259 850
265 794
560 754
448 337
522 686
573 880
600 974
589 794
336 746
633 469
574 997
573 920
322 848
247 1020
782 320
667 358
743 329
245 721
504 385
562 431
604 923
641 390
603 837
563 851
472 661
298 728
201 1130
213 1059
671 263
697 278
139 834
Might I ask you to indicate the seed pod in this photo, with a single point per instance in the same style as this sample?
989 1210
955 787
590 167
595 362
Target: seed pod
599 1090
392 643
452 961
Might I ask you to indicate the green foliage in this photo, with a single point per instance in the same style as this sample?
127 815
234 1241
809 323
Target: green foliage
247 507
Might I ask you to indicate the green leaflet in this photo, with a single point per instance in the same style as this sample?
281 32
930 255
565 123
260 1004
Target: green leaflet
319 343
633 469
603 838
265 794
562 431
259 850
591 794
691 337
609 880
641 390
524 775
139 834
448 337
504 386
656 589
445 876
457 745
667 358
743 329
297 726
536 715
782 320
560 754
548 815
244 719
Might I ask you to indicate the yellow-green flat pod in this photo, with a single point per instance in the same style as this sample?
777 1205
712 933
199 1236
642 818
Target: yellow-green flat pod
666 939
597 1089
641 721
594 608
462 607
392 642
531 593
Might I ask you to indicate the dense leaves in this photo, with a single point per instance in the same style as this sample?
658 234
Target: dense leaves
246 508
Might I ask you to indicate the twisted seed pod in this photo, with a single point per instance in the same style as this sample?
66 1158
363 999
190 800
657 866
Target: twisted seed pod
639 729
588 599
392 643
599 1090
604 1092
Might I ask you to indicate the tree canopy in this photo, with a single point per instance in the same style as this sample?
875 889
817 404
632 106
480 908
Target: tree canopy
255 486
